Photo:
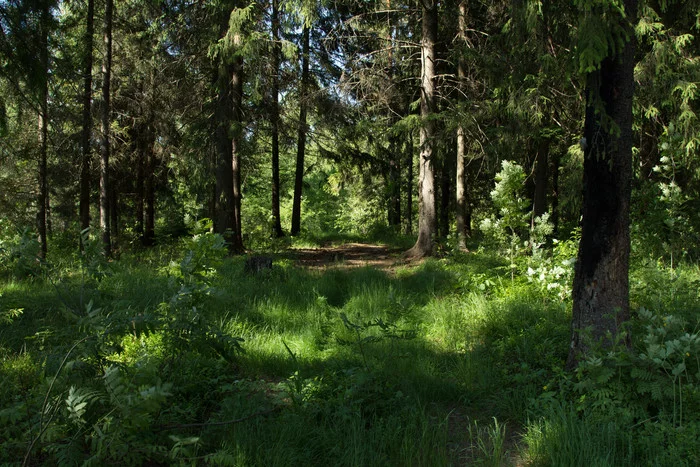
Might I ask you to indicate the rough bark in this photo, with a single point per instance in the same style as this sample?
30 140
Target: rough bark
426 184
601 278
85 161
301 132
275 120
105 149
460 182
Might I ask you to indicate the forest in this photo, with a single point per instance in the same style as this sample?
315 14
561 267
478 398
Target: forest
350 232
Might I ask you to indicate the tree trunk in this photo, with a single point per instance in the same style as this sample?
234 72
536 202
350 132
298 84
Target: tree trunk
539 201
224 220
460 182
149 232
85 162
105 153
445 194
43 200
408 217
301 134
601 278
556 161
275 121
236 138
426 183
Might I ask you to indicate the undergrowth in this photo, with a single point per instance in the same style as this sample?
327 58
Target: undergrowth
178 356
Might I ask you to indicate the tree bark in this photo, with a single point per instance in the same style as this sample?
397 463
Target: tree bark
426 184
224 220
460 182
236 139
539 201
301 133
43 201
275 120
105 149
408 216
85 162
601 278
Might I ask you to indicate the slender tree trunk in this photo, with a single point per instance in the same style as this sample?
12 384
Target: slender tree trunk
408 217
114 211
556 161
426 184
275 120
106 110
539 201
224 220
43 201
394 183
140 178
301 133
149 233
236 139
460 182
601 278
85 162
445 195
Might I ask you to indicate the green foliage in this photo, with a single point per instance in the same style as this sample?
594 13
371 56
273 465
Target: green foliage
19 255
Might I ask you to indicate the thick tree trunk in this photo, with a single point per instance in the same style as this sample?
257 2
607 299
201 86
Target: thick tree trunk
275 120
43 201
85 162
105 153
301 133
460 182
426 184
601 280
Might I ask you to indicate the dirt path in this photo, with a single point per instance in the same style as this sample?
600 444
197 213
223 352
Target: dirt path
349 255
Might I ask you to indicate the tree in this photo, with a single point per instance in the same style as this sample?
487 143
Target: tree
302 130
275 118
84 202
426 182
601 277
105 189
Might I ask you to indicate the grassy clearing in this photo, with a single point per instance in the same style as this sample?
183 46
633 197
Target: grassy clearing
449 362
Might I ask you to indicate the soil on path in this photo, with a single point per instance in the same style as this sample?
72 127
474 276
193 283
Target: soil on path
349 255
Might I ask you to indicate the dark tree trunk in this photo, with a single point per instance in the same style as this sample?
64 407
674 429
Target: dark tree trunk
445 194
105 149
140 183
556 160
224 220
601 280
301 133
43 201
85 162
394 183
236 139
408 216
275 120
539 201
114 211
426 183
149 232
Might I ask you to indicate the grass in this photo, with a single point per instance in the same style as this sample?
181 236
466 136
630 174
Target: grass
444 363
